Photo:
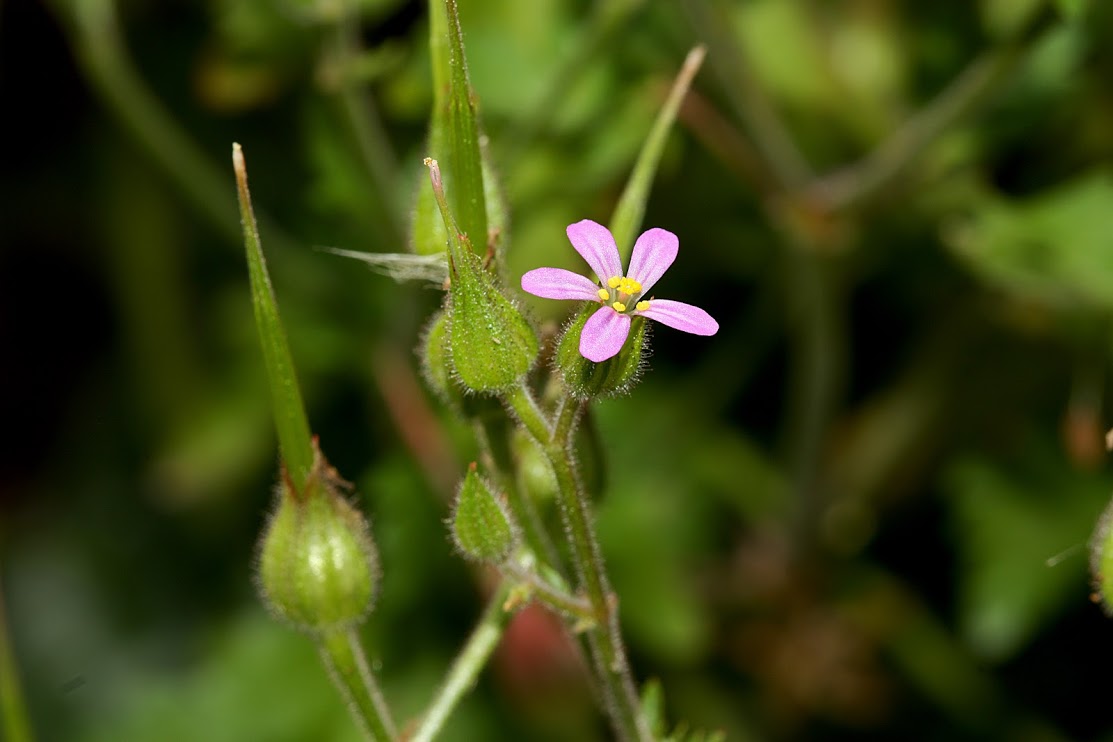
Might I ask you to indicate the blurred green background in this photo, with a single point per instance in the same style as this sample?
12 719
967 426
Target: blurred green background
858 512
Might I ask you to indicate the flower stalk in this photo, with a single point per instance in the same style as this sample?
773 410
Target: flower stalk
605 642
343 656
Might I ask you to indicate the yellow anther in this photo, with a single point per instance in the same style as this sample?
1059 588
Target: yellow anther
619 306
629 286
604 295
642 306
614 281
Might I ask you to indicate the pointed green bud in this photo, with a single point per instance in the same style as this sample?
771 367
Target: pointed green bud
490 343
613 377
481 525
1101 559
317 565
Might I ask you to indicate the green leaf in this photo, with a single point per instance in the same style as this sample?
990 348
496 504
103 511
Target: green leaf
290 421
627 217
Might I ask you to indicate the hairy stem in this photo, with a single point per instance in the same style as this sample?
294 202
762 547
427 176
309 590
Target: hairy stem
605 642
343 655
469 663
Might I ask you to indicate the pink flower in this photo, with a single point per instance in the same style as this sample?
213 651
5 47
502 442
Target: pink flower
620 295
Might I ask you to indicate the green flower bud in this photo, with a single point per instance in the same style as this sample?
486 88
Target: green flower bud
491 344
485 410
317 565
613 377
1101 559
481 525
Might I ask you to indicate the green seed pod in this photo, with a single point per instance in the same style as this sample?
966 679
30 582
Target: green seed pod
317 565
613 377
491 344
481 525
1101 559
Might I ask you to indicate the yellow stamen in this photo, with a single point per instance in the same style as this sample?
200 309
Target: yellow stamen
613 281
619 306
604 295
642 306
629 286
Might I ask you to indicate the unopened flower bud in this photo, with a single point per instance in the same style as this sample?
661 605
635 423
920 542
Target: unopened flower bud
613 377
481 525
491 344
317 565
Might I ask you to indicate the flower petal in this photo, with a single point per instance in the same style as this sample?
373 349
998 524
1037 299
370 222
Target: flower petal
653 254
557 283
603 334
595 243
681 316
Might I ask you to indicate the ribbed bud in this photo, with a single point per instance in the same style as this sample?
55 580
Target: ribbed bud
481 526
490 343
317 566
613 377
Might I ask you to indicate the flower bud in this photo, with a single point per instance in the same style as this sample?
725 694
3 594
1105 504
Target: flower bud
481 525
613 377
491 344
317 565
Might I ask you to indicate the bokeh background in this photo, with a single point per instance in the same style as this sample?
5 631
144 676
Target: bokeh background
860 511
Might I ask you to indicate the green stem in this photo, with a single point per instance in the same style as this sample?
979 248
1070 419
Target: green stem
605 642
552 595
464 671
13 709
343 656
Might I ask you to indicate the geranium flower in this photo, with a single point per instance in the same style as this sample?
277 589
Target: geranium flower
620 294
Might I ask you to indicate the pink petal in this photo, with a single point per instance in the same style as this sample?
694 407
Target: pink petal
603 334
596 244
653 254
681 316
557 283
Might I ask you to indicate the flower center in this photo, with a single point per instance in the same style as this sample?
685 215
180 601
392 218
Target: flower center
622 291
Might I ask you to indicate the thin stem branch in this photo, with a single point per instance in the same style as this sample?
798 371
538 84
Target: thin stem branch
469 663
607 650
343 655
551 595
